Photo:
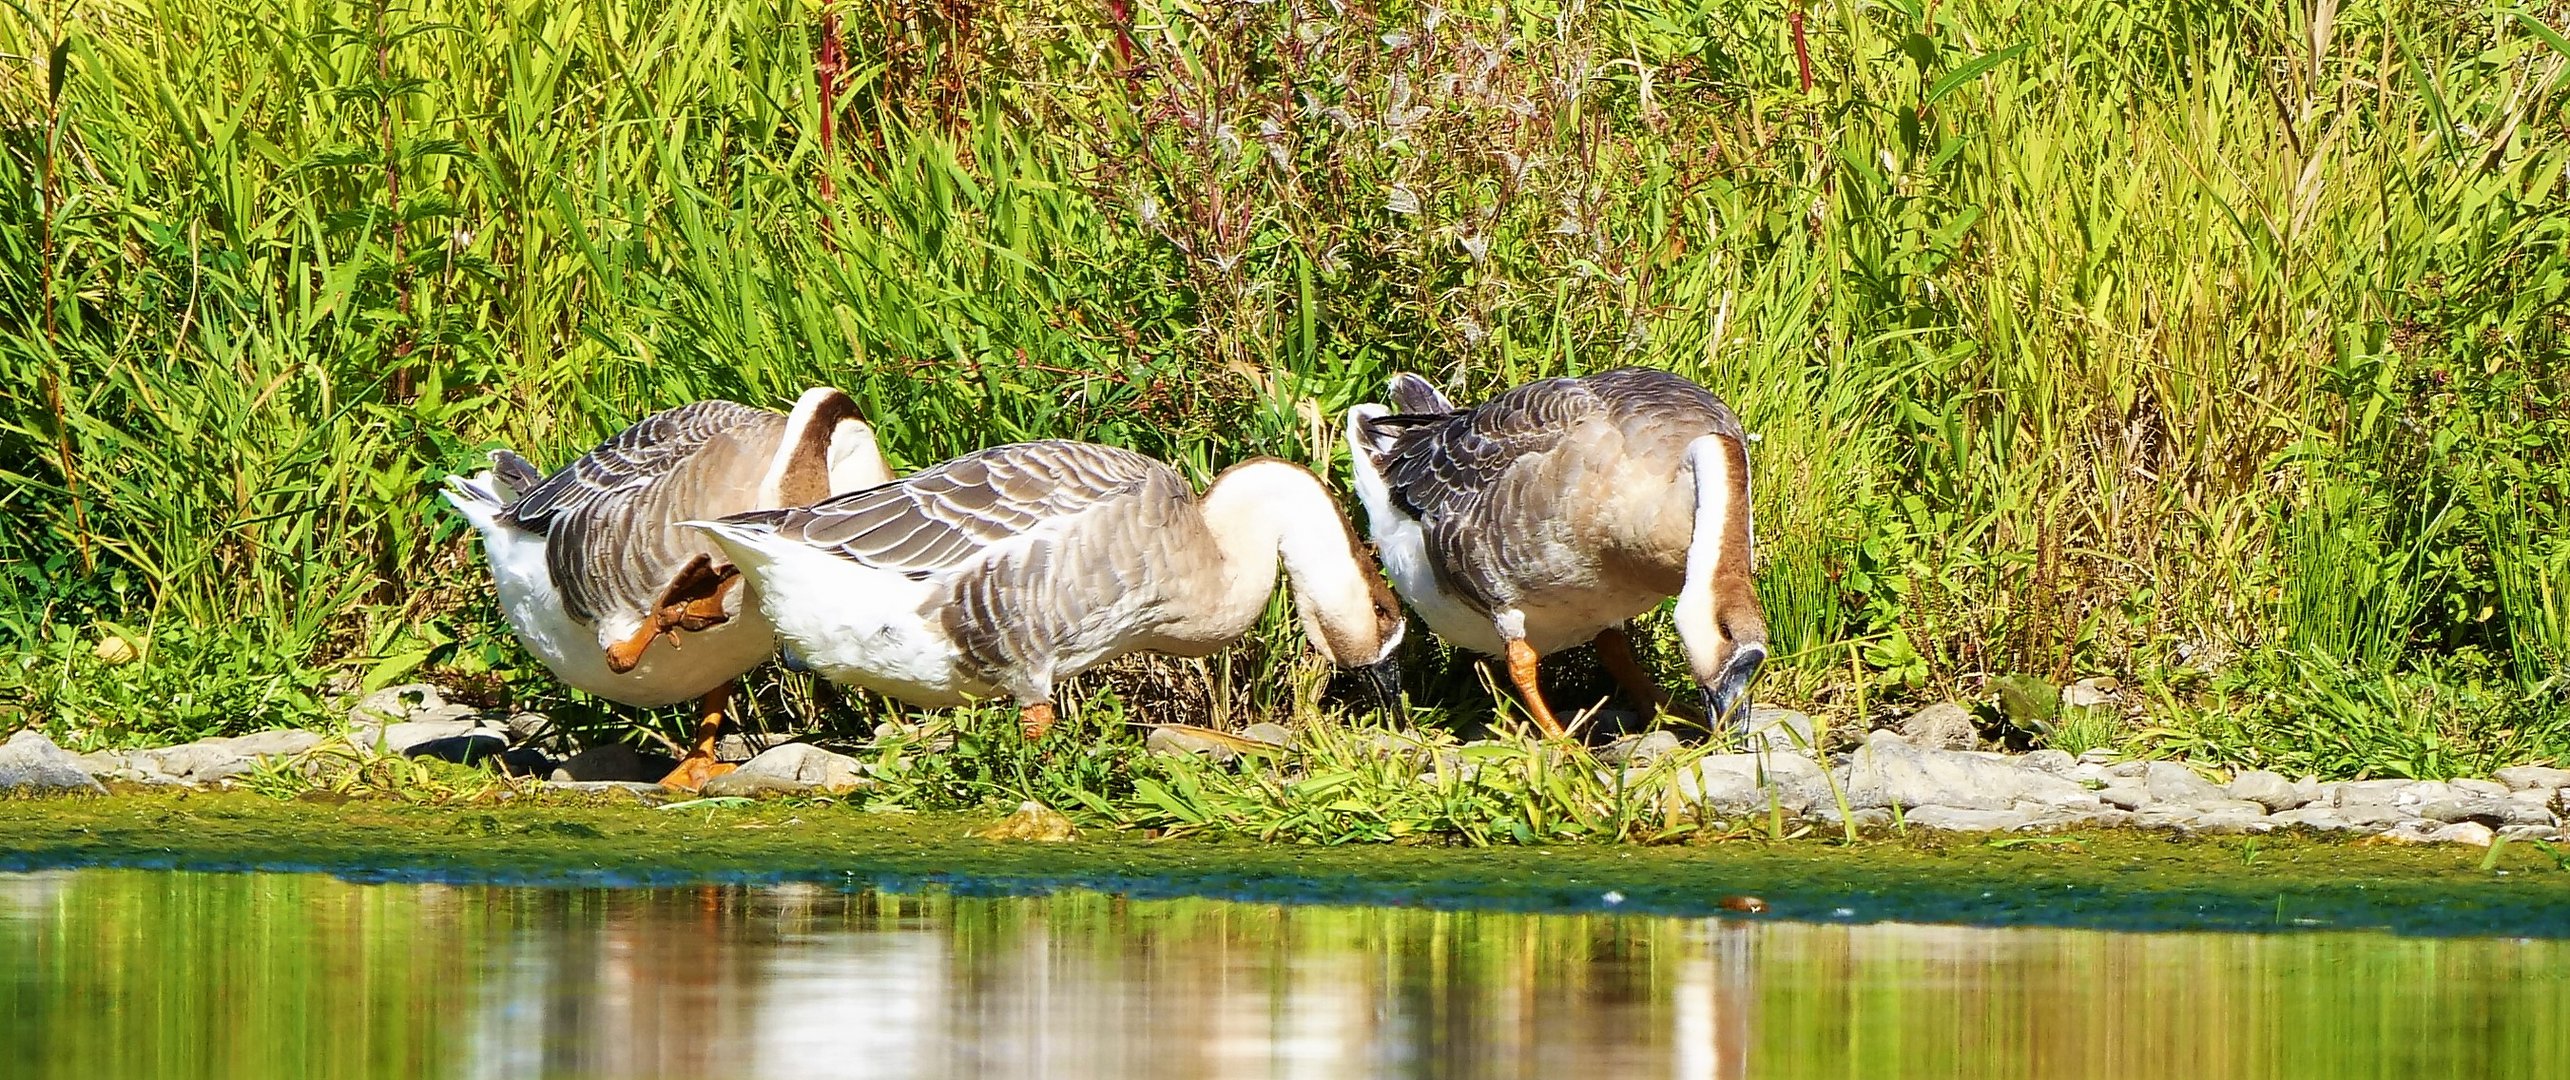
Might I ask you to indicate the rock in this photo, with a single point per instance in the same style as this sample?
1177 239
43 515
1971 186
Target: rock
2314 817
2171 782
2134 769
1870 819
650 793
2491 788
614 763
1942 726
2420 832
2465 807
1742 783
1640 750
2100 755
2056 762
2522 777
200 762
401 737
31 762
1888 771
394 704
1032 821
2531 807
535 728
2530 832
1180 743
1959 820
2126 795
2230 806
792 769
2088 694
277 743
1272 734
1774 730
2233 822
2267 789
525 761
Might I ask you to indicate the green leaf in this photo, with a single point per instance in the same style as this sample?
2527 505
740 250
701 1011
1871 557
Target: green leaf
1972 69
2549 35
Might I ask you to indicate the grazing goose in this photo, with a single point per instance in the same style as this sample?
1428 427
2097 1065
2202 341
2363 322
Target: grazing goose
1553 513
592 565
1008 570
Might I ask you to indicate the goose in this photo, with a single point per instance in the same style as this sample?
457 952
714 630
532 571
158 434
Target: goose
1010 569
592 566
1555 512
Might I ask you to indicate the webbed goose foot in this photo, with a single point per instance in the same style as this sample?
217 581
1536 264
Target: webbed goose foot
700 764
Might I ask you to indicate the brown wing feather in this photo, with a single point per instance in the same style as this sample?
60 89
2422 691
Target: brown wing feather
608 517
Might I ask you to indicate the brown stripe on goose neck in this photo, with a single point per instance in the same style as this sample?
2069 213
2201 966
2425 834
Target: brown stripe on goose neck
1735 591
807 470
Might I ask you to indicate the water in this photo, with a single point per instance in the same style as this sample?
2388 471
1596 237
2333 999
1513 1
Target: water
115 973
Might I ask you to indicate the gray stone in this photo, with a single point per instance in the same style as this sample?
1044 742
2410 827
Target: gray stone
792 769
1942 726
1774 730
614 763
1743 783
2491 788
2267 789
2314 817
2232 823
277 743
200 763
2531 807
2134 769
1270 733
2466 807
650 793
2239 807
1178 742
2422 832
31 762
1888 771
2522 777
1954 819
2100 755
2088 694
2421 792
2171 782
2530 832
1640 750
2056 762
1870 819
2368 791
409 735
2127 795
2165 816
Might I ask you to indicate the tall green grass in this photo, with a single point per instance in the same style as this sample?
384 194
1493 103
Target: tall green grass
2168 340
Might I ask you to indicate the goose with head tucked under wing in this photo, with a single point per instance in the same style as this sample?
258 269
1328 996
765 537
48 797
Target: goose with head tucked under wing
592 566
1008 570
1552 514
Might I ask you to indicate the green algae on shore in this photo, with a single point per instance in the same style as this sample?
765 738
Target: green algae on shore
2118 880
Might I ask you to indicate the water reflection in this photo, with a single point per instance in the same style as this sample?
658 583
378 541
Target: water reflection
135 973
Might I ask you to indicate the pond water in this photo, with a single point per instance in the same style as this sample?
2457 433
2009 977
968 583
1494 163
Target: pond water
117 973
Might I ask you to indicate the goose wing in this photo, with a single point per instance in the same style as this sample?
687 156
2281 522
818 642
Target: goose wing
956 513
609 517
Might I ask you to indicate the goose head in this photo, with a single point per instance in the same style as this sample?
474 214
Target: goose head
1345 609
828 448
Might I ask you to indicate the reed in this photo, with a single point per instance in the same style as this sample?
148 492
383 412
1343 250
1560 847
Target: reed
2168 340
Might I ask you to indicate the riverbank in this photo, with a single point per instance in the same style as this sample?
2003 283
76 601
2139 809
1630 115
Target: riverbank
2107 878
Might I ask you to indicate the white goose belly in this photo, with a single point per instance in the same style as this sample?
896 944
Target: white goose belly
671 672
1570 610
865 627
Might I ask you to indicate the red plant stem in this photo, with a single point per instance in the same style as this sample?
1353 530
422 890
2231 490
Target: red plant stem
828 68
1120 13
1802 48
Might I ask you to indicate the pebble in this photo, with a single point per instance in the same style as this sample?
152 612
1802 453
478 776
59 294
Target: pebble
31 762
1956 819
1774 730
2126 796
1639 750
2171 782
2268 790
2421 832
2522 777
1942 726
2316 817
792 769
2481 808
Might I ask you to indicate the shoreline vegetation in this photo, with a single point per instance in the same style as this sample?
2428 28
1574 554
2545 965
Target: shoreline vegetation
2102 880
2174 381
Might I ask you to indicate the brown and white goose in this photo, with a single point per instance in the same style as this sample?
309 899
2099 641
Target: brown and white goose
1551 514
592 566
1008 570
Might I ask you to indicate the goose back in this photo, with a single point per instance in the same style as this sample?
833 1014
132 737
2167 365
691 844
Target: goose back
1559 487
1042 556
609 518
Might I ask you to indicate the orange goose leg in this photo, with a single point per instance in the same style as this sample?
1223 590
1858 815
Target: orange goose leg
1521 670
699 764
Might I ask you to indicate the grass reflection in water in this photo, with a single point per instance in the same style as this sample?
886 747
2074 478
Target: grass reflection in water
142 973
